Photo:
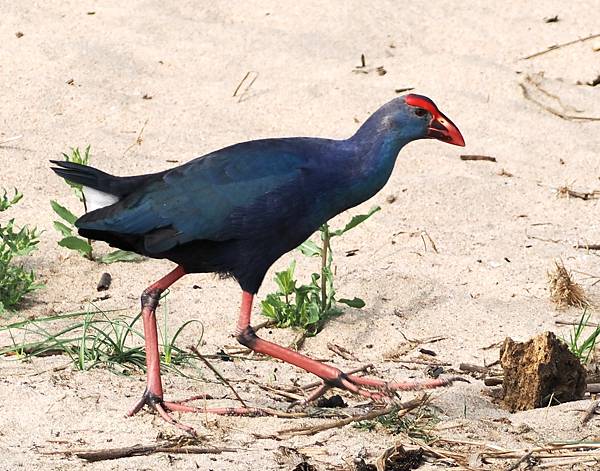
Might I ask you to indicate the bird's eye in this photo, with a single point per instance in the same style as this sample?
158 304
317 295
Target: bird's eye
420 112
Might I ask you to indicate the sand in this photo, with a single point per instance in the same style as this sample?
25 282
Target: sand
75 78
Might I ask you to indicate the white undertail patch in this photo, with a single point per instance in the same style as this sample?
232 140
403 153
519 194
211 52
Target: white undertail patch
96 199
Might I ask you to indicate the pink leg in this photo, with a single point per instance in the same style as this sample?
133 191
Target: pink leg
153 395
375 389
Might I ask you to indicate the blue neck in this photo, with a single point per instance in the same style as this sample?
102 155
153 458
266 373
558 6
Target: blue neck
375 151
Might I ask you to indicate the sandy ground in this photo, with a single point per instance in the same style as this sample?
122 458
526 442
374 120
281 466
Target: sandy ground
496 235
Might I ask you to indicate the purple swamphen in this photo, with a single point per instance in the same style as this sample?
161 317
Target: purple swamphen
237 210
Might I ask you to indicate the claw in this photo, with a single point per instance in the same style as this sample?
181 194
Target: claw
375 389
163 409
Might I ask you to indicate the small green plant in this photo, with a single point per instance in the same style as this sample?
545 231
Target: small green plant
93 340
583 347
15 280
76 157
308 306
67 227
419 424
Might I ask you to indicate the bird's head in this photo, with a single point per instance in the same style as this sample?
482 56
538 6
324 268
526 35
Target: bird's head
417 117
439 126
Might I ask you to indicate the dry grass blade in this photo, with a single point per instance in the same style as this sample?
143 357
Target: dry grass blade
138 140
558 46
251 77
218 374
563 290
566 192
589 412
11 139
404 408
552 453
424 235
564 322
341 351
279 392
588 246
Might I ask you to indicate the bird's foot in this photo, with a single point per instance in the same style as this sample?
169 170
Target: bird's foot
375 389
164 409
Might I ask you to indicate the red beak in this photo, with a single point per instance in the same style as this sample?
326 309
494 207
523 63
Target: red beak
443 129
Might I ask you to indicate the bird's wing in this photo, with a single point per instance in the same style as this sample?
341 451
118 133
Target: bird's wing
232 193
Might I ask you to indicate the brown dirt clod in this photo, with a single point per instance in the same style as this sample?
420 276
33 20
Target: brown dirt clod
539 372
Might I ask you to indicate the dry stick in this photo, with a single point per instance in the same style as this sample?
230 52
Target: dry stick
584 195
568 462
280 392
425 234
563 322
441 453
470 368
493 381
553 241
138 450
517 463
544 452
422 362
341 351
138 139
298 340
404 409
262 325
316 384
589 412
219 375
247 87
478 157
567 117
588 246
558 46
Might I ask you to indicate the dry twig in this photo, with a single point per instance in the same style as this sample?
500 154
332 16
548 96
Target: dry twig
517 463
470 368
558 46
138 139
250 73
485 158
404 408
341 351
563 322
138 450
424 234
588 246
589 412
566 192
218 374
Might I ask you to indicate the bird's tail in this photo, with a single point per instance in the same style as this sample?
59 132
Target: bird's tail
100 188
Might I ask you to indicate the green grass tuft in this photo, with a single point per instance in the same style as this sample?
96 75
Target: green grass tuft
93 339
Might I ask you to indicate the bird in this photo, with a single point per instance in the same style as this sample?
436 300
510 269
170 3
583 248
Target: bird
235 211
